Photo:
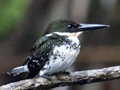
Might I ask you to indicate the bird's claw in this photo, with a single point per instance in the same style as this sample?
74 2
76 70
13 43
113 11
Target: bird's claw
47 77
66 72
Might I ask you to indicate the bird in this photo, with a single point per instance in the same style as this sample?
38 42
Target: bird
56 50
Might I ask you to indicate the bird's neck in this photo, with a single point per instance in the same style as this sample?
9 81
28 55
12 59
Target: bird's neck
71 42
71 37
73 34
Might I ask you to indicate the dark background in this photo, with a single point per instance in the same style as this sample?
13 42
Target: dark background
22 22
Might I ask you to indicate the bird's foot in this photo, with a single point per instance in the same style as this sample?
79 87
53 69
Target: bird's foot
66 72
47 77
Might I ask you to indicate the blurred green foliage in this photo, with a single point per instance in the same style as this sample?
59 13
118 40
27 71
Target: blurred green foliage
11 12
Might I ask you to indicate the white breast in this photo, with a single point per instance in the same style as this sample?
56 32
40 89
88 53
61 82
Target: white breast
63 57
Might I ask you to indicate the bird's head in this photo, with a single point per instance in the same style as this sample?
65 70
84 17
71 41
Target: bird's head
69 27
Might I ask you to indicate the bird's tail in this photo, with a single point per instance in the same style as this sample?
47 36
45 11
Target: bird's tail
16 71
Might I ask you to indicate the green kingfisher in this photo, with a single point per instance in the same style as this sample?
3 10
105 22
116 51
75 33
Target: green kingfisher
56 50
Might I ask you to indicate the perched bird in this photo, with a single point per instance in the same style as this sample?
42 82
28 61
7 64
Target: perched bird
56 50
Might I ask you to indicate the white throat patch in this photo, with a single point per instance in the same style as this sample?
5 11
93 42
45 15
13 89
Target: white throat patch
76 34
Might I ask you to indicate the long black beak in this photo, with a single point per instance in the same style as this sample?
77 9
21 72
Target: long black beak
89 27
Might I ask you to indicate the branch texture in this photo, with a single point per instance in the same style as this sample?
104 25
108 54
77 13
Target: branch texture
74 78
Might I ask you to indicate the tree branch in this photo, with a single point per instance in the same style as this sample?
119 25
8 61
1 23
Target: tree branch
74 78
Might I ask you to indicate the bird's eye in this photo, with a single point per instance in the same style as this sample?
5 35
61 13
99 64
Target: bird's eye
70 26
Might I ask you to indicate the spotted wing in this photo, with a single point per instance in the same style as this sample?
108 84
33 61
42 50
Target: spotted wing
40 53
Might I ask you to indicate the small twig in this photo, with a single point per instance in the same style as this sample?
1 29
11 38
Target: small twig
78 77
